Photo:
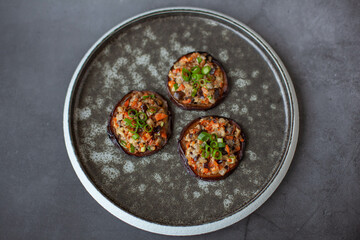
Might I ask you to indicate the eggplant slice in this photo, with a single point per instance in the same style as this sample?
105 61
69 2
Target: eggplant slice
197 81
140 123
211 147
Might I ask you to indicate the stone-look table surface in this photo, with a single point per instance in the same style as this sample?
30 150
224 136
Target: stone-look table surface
41 44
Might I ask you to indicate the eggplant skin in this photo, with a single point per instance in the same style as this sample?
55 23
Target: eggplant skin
193 106
181 150
111 132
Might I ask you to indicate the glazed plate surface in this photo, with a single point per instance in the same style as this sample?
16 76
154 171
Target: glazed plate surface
156 193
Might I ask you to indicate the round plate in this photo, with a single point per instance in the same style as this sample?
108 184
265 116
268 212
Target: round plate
156 193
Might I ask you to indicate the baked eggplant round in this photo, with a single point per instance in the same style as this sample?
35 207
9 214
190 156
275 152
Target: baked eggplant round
197 81
140 123
211 147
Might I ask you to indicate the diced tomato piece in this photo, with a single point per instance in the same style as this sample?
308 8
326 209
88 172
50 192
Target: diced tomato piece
160 116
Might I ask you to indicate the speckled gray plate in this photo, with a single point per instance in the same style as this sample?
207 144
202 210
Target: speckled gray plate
156 193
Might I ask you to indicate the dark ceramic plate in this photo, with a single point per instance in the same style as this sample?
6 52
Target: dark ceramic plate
156 193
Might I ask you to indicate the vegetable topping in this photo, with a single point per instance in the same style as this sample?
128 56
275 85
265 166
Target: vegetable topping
141 123
197 80
212 146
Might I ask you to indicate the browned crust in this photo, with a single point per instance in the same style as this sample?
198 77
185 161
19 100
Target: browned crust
181 150
194 106
111 131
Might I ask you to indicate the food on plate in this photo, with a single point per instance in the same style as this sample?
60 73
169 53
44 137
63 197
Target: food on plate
211 147
197 81
140 123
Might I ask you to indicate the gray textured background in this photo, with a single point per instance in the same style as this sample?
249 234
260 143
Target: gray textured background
41 43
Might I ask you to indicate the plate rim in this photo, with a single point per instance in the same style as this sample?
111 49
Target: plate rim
194 229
